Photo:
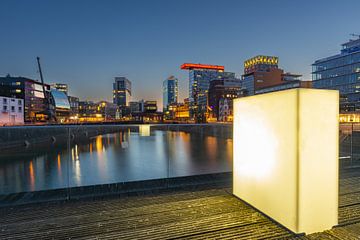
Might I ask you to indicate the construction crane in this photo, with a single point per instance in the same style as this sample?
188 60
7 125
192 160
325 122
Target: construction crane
49 112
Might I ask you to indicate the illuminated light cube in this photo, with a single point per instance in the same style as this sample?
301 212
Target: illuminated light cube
286 156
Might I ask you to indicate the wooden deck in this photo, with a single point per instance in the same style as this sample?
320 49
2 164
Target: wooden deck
181 214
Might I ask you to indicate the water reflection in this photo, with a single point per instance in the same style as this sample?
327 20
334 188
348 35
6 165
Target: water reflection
117 157
32 176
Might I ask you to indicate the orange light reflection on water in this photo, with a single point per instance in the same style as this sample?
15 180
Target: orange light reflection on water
211 146
59 164
32 176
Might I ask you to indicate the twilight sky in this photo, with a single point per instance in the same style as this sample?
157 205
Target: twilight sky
87 43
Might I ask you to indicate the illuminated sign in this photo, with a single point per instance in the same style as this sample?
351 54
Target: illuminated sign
269 60
286 156
201 66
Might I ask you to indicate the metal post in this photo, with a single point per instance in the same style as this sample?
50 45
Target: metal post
351 144
68 163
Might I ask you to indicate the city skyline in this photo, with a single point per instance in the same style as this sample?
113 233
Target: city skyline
94 43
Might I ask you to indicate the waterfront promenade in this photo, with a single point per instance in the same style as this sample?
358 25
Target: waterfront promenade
193 212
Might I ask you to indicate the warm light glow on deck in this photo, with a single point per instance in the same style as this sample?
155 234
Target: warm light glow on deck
286 156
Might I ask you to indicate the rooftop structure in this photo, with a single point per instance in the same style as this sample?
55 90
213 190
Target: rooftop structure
260 63
189 66
262 72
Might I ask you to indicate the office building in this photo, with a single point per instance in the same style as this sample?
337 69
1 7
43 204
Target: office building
11 111
341 72
61 105
109 111
170 92
200 76
88 112
31 91
221 93
262 72
74 107
285 85
150 106
62 87
135 107
121 91
182 112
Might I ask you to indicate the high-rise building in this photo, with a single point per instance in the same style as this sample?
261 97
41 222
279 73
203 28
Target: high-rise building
200 76
121 91
262 74
62 87
31 91
341 72
170 92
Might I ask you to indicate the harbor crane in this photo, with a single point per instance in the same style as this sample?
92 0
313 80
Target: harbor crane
49 111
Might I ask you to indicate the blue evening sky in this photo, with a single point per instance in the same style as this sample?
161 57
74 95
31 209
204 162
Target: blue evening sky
87 43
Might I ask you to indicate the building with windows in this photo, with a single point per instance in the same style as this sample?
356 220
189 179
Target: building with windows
182 111
31 91
109 111
136 107
221 94
11 111
121 91
62 87
170 92
262 72
88 112
74 108
285 85
200 76
341 72
61 105
150 106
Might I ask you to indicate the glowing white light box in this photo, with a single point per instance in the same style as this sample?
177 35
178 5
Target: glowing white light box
286 156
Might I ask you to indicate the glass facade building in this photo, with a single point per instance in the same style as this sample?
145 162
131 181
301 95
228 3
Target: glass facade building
62 87
199 83
170 92
248 83
61 105
121 91
341 72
